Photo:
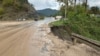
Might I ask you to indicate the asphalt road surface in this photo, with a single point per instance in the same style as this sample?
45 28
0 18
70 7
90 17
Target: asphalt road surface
35 39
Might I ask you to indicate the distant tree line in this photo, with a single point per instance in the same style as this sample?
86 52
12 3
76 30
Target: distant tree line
74 3
94 10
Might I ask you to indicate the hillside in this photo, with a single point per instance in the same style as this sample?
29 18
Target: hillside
16 9
47 12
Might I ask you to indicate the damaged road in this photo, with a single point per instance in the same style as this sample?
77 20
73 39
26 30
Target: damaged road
36 39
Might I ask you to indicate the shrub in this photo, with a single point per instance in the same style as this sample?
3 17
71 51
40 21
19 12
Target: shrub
1 11
82 23
7 2
20 7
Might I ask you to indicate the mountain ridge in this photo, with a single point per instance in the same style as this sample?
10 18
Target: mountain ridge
47 12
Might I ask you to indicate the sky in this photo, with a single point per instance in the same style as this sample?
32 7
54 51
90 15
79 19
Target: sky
53 4
42 4
94 2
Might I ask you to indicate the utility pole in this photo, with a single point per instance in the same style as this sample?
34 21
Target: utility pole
79 2
66 7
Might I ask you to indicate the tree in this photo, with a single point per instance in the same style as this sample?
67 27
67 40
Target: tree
79 2
75 2
85 3
66 6
95 10
62 11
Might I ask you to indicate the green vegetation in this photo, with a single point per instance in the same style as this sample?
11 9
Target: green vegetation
1 10
15 4
94 10
58 23
15 9
7 2
81 22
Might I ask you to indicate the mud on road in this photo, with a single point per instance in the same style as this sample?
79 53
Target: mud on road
36 39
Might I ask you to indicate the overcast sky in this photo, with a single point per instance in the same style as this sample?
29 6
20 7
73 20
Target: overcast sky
94 2
42 4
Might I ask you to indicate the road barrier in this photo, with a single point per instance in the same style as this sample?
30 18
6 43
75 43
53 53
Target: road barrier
92 43
76 38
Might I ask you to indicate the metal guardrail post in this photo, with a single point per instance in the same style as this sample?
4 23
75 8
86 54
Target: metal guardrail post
74 41
92 43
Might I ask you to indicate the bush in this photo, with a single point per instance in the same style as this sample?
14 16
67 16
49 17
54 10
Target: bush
19 7
82 23
1 11
7 2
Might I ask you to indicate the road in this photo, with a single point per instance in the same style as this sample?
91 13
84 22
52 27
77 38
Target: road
35 39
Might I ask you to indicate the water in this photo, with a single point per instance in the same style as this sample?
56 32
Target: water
46 20
42 43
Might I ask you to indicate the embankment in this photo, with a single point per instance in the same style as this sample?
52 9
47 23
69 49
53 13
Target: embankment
62 32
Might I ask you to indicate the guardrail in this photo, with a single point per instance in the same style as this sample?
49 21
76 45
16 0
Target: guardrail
76 38
92 43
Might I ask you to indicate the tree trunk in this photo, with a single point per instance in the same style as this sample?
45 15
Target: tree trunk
75 2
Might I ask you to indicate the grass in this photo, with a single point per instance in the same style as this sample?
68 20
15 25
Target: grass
58 23
1 10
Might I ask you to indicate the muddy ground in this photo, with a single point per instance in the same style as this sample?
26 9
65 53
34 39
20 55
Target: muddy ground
36 39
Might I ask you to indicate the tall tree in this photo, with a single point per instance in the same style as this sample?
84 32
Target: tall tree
66 6
85 3
75 2
79 2
95 10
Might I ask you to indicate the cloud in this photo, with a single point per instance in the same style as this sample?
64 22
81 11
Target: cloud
53 4
94 2
42 4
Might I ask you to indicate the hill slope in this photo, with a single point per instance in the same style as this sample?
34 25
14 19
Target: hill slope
47 12
15 9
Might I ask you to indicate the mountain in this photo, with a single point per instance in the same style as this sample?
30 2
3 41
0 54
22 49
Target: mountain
16 9
47 12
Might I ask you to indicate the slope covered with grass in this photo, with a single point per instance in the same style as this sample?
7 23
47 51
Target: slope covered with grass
82 23
14 9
